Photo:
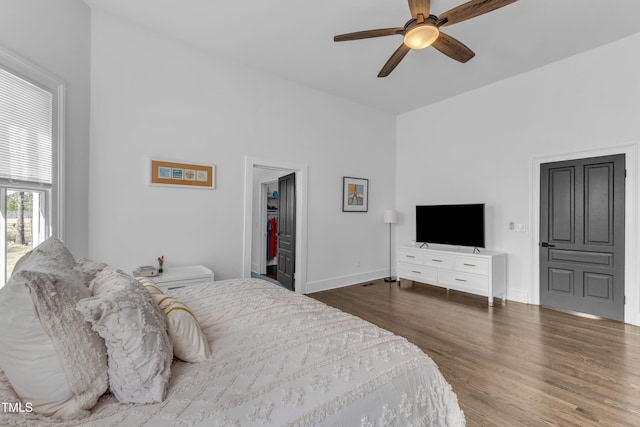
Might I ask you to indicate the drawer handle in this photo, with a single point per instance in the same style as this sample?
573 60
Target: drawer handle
460 280
436 260
175 287
417 272
469 265
409 256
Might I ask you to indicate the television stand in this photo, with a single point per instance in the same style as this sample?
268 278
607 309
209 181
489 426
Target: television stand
460 269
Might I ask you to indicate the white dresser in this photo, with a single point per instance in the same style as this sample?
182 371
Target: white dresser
483 273
179 277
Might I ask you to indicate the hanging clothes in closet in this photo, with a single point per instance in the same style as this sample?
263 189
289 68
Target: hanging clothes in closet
272 238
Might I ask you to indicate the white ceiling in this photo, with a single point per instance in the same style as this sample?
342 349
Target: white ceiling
294 40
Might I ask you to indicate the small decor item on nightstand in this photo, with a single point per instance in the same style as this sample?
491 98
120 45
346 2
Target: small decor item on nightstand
160 263
145 271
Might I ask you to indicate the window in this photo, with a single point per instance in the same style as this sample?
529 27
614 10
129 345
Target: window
30 159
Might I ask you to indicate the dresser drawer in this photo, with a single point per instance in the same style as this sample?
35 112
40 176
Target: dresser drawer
459 269
464 282
418 272
472 265
179 277
439 260
411 256
182 283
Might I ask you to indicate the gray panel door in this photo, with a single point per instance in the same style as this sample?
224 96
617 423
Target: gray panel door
582 235
287 230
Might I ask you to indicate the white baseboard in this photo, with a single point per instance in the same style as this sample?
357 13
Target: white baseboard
518 295
256 268
340 282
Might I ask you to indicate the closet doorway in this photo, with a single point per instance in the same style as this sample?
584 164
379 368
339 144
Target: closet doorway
267 238
276 237
261 181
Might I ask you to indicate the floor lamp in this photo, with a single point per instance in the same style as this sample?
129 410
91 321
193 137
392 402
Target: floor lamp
390 217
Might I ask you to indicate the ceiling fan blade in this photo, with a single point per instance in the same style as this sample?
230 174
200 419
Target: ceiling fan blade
420 7
395 59
472 9
368 34
453 48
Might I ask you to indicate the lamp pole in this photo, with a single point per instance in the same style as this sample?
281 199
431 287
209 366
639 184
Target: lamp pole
390 217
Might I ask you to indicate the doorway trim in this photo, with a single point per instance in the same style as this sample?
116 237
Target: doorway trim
301 171
631 229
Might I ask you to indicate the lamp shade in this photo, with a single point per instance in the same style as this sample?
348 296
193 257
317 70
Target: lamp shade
390 216
421 36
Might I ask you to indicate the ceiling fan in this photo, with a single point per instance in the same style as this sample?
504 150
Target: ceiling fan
423 30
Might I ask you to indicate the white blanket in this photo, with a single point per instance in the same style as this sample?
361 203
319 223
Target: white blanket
283 359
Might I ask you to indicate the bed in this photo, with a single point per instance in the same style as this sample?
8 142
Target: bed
280 359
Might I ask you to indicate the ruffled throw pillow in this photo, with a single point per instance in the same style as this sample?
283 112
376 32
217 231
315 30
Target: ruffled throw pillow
134 330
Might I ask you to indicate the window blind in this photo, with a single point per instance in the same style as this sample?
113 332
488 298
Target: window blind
25 130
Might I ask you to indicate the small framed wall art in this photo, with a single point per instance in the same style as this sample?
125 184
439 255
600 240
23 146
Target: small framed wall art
191 175
355 194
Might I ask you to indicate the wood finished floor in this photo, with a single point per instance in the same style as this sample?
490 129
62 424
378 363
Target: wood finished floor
512 364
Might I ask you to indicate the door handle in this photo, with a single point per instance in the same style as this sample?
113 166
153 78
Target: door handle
547 245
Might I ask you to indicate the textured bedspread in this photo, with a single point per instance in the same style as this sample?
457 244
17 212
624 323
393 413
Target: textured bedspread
282 359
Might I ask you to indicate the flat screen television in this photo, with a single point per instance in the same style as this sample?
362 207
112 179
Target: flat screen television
460 225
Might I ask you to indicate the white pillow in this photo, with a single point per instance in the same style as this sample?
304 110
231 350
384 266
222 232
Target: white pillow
87 270
51 254
49 353
134 330
150 285
189 342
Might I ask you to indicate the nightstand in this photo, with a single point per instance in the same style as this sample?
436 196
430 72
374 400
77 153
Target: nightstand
179 277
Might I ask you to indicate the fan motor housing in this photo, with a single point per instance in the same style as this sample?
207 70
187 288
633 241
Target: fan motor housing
432 19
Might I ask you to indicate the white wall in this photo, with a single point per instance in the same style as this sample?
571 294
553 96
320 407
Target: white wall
55 36
480 146
156 97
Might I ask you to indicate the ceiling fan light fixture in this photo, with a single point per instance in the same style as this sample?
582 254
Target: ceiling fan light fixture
421 36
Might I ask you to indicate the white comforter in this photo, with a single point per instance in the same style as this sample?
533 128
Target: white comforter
283 359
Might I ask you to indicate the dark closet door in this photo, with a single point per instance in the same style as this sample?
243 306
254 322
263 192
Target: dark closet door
582 235
287 230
